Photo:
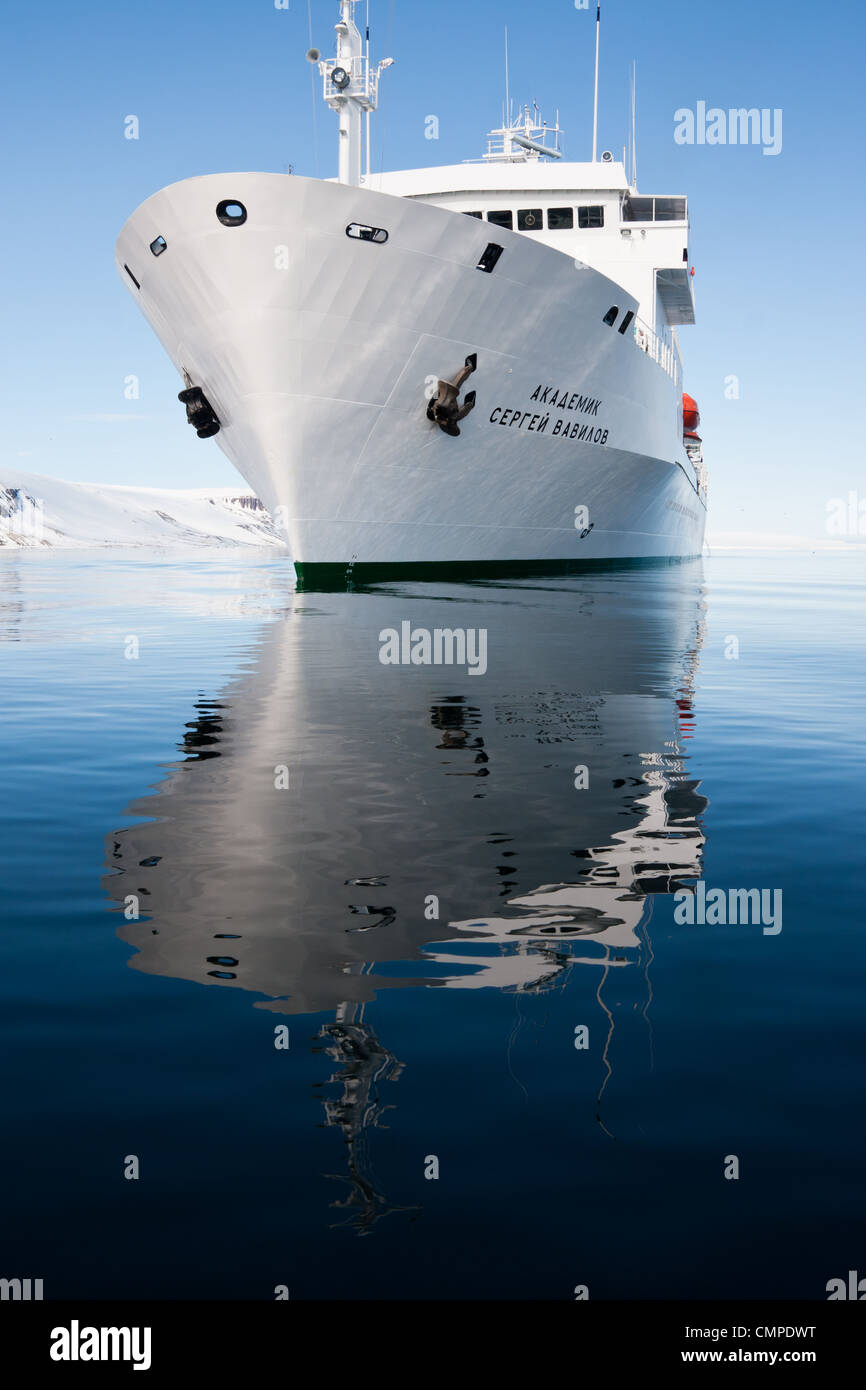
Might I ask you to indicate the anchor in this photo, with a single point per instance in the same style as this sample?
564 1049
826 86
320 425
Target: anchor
445 409
199 411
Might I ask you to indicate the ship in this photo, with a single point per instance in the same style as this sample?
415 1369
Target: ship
472 368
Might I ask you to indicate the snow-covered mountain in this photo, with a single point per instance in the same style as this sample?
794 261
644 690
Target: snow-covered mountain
36 511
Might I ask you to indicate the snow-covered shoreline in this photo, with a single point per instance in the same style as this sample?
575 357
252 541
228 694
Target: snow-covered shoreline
37 512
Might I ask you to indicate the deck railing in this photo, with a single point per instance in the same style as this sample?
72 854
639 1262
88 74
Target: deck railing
655 347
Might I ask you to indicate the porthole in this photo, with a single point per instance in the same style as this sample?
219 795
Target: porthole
610 316
158 245
626 321
359 232
231 213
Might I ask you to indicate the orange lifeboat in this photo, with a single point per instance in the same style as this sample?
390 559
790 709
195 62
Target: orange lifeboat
691 415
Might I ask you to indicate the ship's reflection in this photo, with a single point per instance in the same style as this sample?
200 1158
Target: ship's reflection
338 827
363 1063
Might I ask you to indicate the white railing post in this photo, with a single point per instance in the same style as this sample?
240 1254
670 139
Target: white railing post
658 348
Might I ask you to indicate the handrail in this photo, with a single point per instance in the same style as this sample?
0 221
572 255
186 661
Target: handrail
655 347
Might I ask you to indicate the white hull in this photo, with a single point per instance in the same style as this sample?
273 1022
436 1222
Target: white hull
315 351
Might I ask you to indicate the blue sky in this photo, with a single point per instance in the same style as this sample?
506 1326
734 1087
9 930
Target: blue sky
224 85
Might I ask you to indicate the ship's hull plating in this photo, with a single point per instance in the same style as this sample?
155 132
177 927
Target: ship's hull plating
318 351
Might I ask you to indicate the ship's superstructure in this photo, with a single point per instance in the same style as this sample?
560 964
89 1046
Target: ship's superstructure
475 365
587 211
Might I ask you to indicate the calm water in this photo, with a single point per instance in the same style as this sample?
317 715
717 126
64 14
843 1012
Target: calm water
431 908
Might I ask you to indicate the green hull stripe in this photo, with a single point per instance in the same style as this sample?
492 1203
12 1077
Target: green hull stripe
332 577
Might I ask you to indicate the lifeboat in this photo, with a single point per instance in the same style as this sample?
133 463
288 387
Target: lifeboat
692 441
691 416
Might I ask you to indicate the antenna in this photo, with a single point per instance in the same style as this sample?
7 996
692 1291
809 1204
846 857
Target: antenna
367 112
634 124
595 100
627 164
507 97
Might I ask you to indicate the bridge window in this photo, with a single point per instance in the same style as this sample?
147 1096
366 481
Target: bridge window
473 214
626 321
654 209
610 316
669 210
530 220
591 216
490 257
501 219
560 219
637 209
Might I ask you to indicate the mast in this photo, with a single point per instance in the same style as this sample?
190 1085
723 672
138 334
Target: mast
351 88
595 99
634 125
367 112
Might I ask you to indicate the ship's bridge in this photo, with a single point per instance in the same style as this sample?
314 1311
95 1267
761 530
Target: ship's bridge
589 211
